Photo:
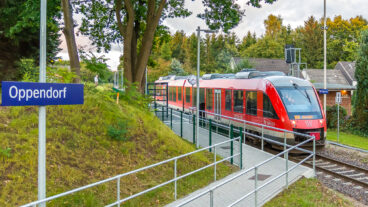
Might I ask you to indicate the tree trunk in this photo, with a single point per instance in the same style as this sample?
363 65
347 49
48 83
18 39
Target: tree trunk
135 61
70 39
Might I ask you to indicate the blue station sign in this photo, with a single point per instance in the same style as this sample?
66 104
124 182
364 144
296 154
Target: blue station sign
41 94
323 91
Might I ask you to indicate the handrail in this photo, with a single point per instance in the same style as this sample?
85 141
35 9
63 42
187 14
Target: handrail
287 149
117 177
259 137
246 171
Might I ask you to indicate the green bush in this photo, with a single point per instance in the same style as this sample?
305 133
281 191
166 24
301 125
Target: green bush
28 70
119 131
5 153
332 116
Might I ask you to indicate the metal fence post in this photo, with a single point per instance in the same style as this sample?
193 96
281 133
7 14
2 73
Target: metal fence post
314 156
284 142
231 143
118 191
171 118
181 123
163 114
194 127
211 198
241 148
287 169
262 136
175 169
255 185
215 160
210 134
155 107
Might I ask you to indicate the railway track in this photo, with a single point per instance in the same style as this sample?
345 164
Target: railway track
353 175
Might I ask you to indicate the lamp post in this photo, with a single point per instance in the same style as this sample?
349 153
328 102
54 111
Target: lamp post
325 57
199 30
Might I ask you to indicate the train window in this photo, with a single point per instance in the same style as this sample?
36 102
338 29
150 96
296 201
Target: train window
201 96
238 101
268 110
174 94
179 93
209 99
170 93
228 100
194 96
187 95
251 107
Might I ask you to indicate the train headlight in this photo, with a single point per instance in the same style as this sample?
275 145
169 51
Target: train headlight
294 123
321 122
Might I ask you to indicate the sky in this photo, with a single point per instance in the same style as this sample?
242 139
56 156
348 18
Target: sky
293 12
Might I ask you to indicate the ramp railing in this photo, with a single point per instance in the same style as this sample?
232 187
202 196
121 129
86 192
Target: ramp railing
174 180
209 124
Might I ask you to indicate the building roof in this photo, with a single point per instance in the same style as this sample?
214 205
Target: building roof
347 69
335 79
266 64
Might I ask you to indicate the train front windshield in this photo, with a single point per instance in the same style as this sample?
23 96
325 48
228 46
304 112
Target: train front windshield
300 102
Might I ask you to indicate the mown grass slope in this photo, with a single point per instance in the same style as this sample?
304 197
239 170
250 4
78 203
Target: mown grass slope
309 192
81 150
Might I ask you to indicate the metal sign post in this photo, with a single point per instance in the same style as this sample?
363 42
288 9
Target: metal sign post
338 102
42 109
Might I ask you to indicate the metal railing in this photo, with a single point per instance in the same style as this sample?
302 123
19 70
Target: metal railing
256 187
174 180
287 148
190 118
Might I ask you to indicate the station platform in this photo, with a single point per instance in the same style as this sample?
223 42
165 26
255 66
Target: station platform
235 189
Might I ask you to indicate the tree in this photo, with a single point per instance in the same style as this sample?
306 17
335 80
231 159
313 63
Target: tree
247 41
177 46
267 47
136 21
68 31
165 51
19 34
273 25
361 75
312 42
97 65
176 68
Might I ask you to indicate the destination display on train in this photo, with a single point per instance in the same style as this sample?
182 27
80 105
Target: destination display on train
41 94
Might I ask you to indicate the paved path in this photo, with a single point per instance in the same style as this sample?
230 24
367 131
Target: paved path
230 192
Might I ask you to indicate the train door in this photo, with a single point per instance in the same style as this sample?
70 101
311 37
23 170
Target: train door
217 106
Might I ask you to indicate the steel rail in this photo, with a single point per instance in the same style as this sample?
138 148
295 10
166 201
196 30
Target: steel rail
342 163
339 175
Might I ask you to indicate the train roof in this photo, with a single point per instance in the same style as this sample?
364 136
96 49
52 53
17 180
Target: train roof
233 82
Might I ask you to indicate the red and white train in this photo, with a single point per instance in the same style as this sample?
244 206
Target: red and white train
269 98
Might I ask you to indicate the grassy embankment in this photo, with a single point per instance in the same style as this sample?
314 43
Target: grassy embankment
348 139
308 192
81 150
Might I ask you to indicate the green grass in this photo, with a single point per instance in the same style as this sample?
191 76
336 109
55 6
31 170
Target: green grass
348 139
306 193
80 150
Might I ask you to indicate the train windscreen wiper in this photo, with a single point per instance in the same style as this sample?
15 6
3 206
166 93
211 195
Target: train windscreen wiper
305 92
